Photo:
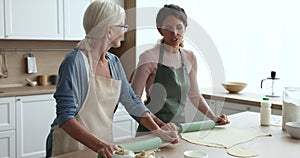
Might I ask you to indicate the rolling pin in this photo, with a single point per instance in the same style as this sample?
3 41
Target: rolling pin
156 142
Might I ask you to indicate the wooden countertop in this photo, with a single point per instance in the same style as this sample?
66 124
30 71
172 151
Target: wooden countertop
26 90
279 145
249 98
243 97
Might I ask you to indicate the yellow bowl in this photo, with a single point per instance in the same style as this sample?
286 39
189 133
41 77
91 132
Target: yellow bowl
234 87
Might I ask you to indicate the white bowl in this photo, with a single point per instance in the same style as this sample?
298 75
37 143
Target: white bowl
293 128
123 153
195 154
32 83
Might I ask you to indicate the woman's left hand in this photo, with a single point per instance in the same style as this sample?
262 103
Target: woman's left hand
222 120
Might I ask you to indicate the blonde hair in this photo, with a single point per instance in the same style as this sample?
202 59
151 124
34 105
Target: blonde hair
100 15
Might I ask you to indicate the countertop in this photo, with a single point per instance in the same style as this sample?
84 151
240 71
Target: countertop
26 90
280 144
243 97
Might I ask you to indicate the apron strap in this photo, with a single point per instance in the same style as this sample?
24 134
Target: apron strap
161 56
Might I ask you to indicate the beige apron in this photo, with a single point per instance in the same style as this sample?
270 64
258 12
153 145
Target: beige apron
96 115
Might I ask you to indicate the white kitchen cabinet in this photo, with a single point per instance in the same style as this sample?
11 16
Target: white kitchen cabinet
35 114
228 108
43 20
2 19
193 114
7 127
232 108
124 126
34 19
7 144
73 15
7 111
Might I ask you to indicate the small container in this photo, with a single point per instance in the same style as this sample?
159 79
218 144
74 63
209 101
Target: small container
195 154
265 112
121 153
53 79
42 80
291 105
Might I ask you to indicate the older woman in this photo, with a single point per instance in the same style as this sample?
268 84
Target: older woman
91 83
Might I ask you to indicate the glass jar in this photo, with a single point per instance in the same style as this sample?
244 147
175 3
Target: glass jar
291 105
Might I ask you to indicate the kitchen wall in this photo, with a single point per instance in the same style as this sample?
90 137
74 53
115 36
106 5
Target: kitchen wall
251 38
48 55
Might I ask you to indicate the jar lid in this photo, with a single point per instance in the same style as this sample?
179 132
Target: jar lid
266 99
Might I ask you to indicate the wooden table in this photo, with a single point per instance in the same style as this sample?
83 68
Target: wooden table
280 145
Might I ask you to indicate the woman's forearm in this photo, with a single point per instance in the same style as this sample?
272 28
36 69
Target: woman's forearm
147 121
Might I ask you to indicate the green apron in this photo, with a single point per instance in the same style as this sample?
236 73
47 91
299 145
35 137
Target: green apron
169 93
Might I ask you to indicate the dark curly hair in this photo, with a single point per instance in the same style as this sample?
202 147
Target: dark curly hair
170 9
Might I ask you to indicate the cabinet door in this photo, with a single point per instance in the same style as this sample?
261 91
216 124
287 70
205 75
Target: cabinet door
7 144
193 114
34 19
7 113
124 126
35 115
232 108
73 15
2 19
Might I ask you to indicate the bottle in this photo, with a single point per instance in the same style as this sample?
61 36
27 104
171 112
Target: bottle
265 112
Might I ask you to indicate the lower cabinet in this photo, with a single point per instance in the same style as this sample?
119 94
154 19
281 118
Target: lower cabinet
25 123
7 144
228 108
193 114
35 114
124 126
7 127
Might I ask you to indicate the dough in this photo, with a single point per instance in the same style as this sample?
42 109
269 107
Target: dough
241 152
221 137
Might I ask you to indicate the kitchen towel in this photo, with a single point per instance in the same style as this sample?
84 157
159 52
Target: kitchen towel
3 67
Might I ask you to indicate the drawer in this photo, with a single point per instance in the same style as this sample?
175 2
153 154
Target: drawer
7 113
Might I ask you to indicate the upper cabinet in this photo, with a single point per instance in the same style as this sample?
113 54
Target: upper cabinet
1 19
73 15
33 19
42 20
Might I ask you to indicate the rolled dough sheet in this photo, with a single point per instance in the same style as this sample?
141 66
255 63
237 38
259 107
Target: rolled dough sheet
222 137
241 152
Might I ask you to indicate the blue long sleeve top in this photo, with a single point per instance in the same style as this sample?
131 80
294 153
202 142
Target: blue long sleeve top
72 86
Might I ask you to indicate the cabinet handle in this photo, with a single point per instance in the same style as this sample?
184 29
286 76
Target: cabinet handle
18 99
248 108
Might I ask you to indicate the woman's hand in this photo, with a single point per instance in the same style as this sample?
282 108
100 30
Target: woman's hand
106 150
222 120
168 132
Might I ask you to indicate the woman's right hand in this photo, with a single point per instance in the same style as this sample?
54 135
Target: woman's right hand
168 132
106 150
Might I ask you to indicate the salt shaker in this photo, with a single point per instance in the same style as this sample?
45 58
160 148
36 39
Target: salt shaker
265 112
